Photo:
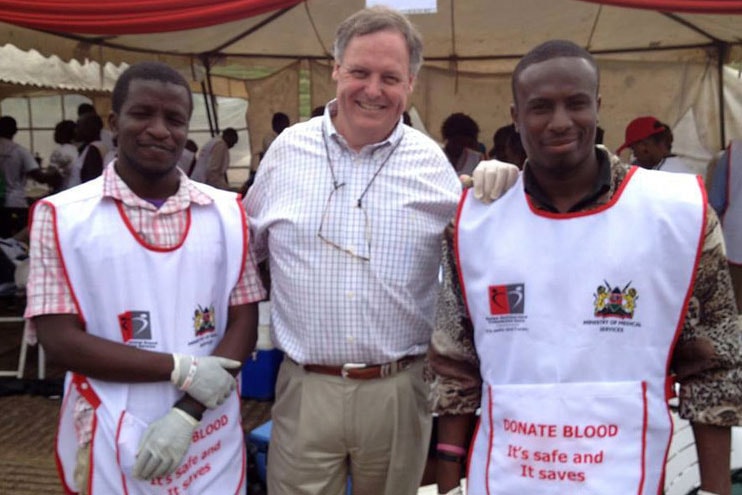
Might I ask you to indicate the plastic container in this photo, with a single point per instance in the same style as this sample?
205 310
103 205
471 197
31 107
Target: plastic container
259 373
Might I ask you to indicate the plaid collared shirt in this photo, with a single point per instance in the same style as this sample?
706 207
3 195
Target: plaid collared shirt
48 292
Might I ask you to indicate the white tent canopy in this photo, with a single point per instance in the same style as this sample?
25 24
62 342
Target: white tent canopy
663 64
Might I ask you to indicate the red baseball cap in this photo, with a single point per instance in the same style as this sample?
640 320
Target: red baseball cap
640 129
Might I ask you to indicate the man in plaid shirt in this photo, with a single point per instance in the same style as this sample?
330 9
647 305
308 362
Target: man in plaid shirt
141 286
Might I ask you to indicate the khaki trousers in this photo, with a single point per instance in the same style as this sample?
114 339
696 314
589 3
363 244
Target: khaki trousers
327 428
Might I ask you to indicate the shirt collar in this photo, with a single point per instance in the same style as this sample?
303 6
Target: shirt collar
601 186
114 187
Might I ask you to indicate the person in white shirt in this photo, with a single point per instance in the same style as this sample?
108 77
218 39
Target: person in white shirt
213 160
349 210
64 156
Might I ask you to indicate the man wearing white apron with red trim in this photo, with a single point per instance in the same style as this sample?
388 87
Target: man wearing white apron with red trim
157 271
555 418
574 315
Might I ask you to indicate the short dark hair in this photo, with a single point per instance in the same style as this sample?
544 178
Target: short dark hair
84 108
64 131
8 127
459 124
549 50
230 133
148 71
279 122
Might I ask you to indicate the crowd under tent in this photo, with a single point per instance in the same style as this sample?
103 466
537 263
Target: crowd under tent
674 59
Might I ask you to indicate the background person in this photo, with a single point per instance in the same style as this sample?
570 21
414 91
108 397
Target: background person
213 160
92 150
65 154
461 134
651 144
16 166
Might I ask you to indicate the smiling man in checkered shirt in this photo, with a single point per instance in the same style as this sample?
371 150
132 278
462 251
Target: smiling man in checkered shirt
349 209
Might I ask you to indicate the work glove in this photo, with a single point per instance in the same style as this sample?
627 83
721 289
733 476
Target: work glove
164 444
492 178
204 378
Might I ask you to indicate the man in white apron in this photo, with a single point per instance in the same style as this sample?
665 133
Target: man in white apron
140 285
585 286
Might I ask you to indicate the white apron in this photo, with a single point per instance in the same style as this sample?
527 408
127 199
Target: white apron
732 219
575 317
159 300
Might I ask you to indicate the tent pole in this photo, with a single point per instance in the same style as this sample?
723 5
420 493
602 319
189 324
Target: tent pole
211 95
208 110
721 56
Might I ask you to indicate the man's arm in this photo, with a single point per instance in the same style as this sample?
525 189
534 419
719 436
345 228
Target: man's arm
713 444
708 362
454 371
68 345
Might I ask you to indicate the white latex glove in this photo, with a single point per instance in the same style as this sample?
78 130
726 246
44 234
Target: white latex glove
164 444
204 378
492 178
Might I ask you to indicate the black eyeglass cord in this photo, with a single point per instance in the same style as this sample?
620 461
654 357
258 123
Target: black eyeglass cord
336 185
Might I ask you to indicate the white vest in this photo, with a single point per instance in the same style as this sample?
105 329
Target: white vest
732 220
159 300
575 318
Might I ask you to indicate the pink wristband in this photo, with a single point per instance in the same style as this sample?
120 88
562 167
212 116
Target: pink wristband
451 449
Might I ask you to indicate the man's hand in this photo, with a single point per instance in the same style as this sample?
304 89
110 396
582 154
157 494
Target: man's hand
206 378
164 444
491 179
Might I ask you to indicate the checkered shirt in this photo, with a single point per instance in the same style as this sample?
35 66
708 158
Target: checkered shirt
330 306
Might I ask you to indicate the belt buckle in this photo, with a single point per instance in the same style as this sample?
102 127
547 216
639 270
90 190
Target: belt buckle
347 367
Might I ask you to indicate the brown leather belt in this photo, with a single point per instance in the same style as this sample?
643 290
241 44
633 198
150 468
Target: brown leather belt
362 371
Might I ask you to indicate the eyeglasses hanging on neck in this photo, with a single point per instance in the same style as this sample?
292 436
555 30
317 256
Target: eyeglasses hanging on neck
358 217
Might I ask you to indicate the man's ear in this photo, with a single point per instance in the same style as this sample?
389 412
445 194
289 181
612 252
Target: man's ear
113 123
514 116
335 70
411 84
597 102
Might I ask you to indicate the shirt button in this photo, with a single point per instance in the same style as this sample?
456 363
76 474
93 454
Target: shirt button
351 294
351 339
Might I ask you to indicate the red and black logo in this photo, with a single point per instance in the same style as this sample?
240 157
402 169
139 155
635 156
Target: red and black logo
135 325
507 299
